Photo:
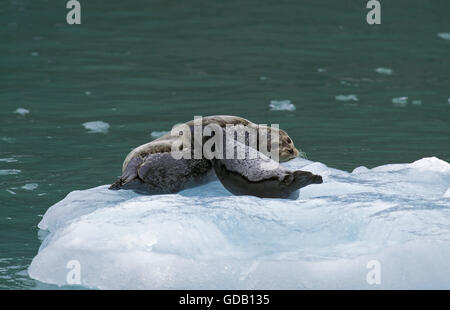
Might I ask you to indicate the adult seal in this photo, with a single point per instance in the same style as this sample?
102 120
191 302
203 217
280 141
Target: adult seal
145 166
163 144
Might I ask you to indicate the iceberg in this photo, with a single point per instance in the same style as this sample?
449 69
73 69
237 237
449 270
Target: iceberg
205 238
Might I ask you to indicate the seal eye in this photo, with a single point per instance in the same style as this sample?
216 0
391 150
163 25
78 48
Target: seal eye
291 151
288 140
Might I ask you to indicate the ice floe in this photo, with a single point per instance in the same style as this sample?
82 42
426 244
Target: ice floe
206 238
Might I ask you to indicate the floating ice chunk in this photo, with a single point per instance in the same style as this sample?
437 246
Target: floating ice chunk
350 97
8 139
8 160
448 100
400 102
34 54
281 105
157 134
9 171
22 111
321 70
87 93
30 186
11 192
416 102
206 238
97 127
382 70
263 78
444 35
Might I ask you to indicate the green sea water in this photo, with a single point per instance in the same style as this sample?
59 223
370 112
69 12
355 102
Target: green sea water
142 66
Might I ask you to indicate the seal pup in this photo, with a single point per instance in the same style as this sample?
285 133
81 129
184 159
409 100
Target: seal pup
258 175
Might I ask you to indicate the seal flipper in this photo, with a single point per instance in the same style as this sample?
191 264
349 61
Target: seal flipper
129 174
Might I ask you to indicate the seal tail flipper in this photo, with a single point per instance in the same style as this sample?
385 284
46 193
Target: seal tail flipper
116 185
129 174
124 179
304 178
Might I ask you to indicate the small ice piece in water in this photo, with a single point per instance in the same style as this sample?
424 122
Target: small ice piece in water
8 160
382 70
30 186
417 102
97 127
321 70
12 193
87 93
350 97
444 35
22 111
157 134
34 54
281 105
263 78
9 171
400 102
8 139
448 100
